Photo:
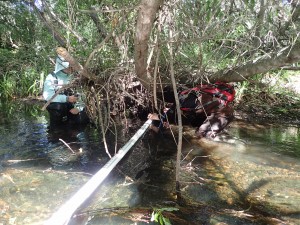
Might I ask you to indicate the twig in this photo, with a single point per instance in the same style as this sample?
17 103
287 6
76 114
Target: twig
179 119
67 145
56 93
106 11
187 155
100 121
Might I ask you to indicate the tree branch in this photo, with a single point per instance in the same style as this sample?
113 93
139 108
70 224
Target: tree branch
282 58
101 29
61 40
61 23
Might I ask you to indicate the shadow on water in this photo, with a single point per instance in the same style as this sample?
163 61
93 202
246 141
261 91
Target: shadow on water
245 176
41 168
251 177
27 137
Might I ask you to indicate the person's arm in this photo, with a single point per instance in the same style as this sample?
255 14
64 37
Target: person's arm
49 90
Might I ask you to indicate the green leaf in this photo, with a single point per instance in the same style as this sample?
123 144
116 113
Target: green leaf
155 216
166 221
161 221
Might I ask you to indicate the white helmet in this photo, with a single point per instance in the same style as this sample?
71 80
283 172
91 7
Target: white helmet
61 64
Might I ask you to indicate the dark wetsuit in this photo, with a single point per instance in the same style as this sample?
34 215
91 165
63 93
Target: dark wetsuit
210 114
60 114
59 108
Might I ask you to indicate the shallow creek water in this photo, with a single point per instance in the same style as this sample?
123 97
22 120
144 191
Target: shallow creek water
249 176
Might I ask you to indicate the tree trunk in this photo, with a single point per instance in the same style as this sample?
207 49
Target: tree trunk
282 58
145 19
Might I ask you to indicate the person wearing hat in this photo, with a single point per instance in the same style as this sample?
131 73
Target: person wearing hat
62 108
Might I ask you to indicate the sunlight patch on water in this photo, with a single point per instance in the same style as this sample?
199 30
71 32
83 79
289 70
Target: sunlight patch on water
30 195
262 170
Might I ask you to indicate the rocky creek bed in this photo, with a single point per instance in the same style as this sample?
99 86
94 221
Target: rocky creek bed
246 184
244 177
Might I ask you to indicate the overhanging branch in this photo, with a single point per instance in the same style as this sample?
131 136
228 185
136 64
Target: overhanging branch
282 58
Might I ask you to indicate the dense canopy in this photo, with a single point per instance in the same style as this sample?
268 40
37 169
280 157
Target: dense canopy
231 40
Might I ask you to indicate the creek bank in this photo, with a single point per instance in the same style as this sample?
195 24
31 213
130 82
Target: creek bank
263 107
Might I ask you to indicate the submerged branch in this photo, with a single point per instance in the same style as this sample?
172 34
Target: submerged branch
67 145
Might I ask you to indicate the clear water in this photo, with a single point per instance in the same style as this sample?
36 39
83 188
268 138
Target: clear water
38 172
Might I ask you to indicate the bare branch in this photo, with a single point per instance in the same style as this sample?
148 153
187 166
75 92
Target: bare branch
61 23
61 40
284 57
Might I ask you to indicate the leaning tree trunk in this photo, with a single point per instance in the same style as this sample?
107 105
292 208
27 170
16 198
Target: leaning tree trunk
75 64
60 39
145 19
282 58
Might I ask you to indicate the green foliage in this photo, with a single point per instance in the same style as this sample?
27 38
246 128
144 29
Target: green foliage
17 24
13 108
6 57
29 83
210 35
157 215
276 83
240 90
8 86
20 73
13 84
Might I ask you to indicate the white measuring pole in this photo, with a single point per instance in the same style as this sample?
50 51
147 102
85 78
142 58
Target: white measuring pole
64 214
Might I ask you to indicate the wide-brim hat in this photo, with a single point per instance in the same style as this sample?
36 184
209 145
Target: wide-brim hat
61 64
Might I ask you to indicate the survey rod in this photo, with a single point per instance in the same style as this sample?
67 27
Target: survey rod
63 215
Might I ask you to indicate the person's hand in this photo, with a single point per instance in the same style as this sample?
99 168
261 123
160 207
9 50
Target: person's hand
169 105
154 128
153 116
74 111
166 110
72 99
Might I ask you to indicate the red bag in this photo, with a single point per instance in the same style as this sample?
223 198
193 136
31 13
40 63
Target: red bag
220 90
188 98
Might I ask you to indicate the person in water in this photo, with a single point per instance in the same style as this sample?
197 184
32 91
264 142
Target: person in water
65 108
207 107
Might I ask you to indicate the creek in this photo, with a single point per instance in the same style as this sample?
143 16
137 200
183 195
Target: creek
250 175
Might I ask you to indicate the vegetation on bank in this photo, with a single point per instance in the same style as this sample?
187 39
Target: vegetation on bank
227 40
156 43
270 98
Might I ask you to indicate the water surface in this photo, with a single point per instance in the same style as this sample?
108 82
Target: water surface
254 170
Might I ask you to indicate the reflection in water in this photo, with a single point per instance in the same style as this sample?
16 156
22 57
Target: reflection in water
255 169
39 172
280 139
272 145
